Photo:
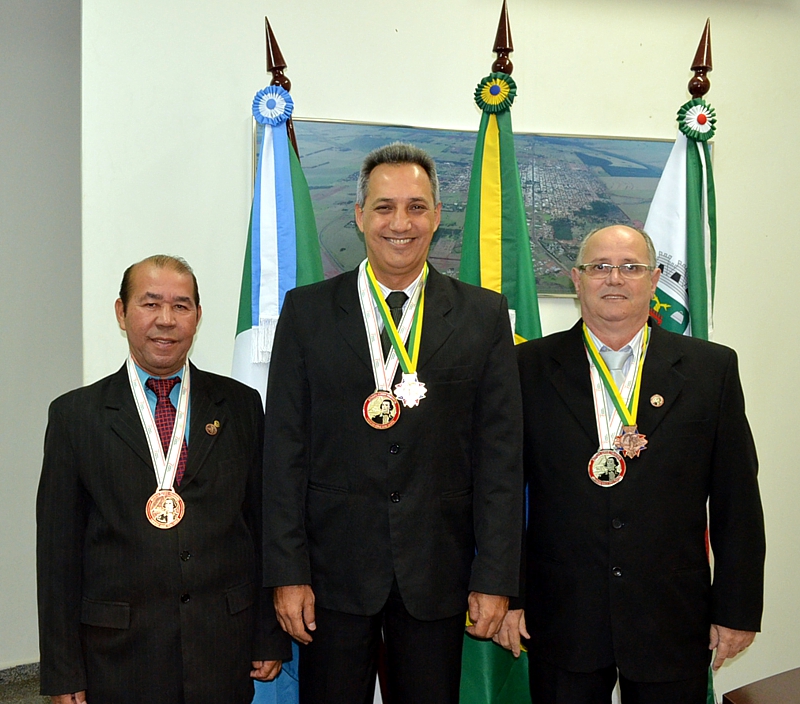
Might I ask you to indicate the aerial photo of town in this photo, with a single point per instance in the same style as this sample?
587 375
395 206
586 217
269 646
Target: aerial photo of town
570 185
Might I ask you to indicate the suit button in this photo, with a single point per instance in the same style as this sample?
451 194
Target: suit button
185 555
616 571
395 497
185 598
616 523
394 449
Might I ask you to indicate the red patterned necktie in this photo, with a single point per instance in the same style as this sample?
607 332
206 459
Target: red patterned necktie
165 418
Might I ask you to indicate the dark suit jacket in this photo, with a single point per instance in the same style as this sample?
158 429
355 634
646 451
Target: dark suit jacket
620 574
349 506
133 613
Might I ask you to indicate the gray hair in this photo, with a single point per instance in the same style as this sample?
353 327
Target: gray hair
651 248
396 153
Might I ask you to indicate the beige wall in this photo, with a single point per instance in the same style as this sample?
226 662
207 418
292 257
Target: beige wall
166 157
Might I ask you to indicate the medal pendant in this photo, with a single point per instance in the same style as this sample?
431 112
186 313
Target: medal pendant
630 441
165 509
381 410
606 468
410 391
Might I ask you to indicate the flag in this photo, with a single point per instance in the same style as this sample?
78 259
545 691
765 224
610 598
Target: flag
496 254
683 225
282 252
282 243
496 248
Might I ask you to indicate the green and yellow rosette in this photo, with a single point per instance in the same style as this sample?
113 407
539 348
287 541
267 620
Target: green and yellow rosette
697 120
496 93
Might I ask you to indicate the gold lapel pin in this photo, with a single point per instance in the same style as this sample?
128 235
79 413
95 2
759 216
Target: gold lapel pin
657 400
213 428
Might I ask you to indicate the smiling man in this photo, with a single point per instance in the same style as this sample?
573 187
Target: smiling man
631 432
373 526
149 520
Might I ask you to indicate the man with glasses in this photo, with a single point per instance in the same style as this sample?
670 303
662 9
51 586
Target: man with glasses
618 578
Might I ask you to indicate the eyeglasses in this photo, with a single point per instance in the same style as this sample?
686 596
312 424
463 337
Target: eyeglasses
628 271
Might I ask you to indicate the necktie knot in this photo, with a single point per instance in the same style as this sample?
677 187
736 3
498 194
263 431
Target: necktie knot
395 300
162 387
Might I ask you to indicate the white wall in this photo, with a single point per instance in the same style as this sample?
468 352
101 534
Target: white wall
166 160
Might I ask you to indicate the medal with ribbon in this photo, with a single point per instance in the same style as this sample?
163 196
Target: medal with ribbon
607 466
381 409
165 508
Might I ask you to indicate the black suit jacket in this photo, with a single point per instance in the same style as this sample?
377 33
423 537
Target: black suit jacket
620 574
350 506
127 611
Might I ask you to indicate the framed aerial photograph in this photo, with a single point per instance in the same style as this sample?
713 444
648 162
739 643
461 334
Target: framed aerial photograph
570 185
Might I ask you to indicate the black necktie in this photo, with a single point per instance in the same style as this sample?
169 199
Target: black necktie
395 301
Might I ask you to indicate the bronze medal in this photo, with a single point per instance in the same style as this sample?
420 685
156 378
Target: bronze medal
381 410
606 468
630 442
165 509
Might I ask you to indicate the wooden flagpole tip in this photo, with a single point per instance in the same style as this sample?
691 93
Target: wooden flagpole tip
275 61
699 85
503 44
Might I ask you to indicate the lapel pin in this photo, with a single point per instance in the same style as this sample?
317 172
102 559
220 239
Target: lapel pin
213 428
657 400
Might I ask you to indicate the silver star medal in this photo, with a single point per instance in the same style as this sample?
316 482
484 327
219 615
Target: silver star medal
410 391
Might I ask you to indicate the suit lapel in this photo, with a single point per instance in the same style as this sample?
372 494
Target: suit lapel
570 377
207 408
349 319
659 377
124 418
435 326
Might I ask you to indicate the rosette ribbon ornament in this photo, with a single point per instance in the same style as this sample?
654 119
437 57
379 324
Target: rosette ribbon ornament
496 93
272 106
697 120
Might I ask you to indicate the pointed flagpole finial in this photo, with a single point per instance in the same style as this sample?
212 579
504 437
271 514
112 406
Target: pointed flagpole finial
275 61
699 85
503 44
275 65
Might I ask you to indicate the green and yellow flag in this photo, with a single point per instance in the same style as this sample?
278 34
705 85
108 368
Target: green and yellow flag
496 254
496 249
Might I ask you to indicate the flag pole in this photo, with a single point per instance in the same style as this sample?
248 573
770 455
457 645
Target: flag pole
276 65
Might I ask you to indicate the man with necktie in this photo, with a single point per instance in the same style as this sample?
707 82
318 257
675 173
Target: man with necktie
633 437
393 524
149 520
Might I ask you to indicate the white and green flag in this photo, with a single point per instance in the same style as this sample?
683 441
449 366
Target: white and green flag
682 222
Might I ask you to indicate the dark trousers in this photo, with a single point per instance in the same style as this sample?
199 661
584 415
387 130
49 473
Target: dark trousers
423 658
553 685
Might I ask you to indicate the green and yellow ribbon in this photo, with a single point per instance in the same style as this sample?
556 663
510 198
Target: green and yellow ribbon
627 412
408 358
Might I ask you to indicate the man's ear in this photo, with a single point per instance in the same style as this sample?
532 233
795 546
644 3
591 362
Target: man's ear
119 310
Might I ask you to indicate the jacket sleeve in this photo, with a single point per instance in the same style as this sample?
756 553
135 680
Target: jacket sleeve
286 457
497 466
270 642
736 520
61 515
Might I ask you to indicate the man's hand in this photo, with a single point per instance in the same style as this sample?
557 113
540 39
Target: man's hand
79 697
728 642
486 611
294 606
513 627
265 670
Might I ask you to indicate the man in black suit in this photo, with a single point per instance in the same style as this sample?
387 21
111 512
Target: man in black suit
618 577
149 567
402 525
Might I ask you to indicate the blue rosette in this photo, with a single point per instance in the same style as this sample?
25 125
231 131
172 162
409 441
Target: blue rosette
272 106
